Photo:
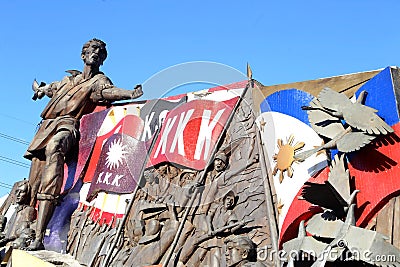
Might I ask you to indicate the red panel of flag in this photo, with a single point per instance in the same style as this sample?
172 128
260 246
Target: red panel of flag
190 132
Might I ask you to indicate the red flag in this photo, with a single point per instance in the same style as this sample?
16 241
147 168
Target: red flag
190 132
119 166
130 124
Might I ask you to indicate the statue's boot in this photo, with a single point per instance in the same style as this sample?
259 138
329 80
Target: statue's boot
45 211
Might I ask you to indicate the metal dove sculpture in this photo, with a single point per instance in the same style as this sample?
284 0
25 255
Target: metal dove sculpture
326 113
303 243
363 244
334 195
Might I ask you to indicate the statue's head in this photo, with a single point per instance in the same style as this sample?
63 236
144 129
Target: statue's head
187 175
220 161
162 170
149 177
152 231
94 52
172 171
22 193
239 250
229 200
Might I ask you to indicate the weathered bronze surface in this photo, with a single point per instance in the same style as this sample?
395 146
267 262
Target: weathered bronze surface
241 251
57 136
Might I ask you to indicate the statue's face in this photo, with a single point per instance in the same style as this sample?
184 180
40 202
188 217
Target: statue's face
173 171
189 176
229 201
219 165
21 194
162 170
94 54
149 178
233 254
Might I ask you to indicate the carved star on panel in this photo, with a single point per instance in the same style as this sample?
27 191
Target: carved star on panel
285 157
262 124
279 206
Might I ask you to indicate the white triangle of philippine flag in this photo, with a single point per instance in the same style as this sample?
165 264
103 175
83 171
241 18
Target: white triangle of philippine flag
285 130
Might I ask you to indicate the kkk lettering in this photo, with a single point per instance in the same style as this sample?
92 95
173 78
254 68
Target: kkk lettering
119 165
153 114
190 131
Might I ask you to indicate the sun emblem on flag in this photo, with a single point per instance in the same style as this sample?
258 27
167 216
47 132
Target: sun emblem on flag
116 152
285 157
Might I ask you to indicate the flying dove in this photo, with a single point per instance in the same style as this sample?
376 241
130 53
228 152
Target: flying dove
325 114
334 195
303 243
368 246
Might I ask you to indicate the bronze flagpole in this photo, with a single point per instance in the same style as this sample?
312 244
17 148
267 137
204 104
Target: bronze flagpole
129 207
272 221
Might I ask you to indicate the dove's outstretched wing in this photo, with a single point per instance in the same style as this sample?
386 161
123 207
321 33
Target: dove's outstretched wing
372 247
338 179
321 195
364 118
333 100
353 141
303 243
319 227
322 122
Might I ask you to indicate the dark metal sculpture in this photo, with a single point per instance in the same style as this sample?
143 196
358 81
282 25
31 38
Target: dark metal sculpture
302 245
181 217
221 221
363 244
155 241
331 238
334 194
357 115
340 241
71 98
3 222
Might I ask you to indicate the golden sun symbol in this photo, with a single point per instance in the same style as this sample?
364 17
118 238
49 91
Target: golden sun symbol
285 157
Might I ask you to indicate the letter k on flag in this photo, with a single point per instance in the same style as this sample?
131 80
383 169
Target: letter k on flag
190 132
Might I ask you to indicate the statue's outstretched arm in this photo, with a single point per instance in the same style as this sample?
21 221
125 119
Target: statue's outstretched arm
112 93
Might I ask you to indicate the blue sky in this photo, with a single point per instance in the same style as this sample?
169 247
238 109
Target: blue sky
284 41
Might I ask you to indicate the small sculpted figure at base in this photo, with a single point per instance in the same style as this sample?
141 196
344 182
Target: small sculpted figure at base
241 252
18 229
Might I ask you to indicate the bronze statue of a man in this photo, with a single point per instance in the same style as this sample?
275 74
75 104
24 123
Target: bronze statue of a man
58 134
